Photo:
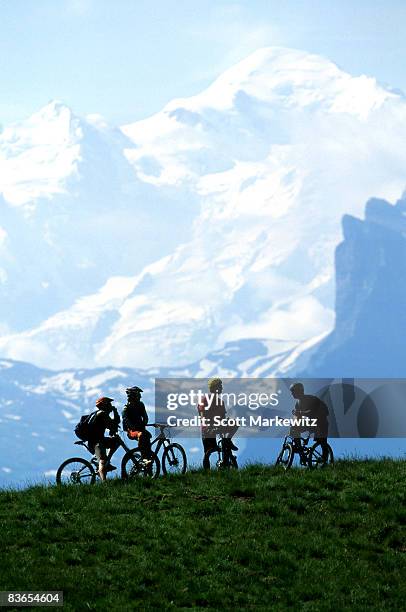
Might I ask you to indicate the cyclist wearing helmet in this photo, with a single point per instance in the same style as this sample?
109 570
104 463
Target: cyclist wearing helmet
314 408
215 407
135 420
98 442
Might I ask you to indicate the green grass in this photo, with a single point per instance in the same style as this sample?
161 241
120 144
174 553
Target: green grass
254 539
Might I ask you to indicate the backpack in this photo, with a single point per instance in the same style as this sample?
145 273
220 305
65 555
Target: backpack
85 427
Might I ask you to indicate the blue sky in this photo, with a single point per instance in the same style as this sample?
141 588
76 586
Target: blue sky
126 58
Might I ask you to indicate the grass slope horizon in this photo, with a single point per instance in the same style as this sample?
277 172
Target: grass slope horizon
257 538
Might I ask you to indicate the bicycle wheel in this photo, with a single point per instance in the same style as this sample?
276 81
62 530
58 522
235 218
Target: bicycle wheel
174 459
76 471
285 457
134 466
213 459
319 458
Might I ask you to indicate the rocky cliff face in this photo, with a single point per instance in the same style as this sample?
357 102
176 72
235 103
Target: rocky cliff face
369 338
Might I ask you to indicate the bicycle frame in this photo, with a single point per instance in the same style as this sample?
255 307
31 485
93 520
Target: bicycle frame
225 454
161 440
293 440
132 463
221 455
122 444
309 455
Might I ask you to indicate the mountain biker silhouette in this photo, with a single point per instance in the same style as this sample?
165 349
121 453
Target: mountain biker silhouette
210 409
135 420
314 408
98 442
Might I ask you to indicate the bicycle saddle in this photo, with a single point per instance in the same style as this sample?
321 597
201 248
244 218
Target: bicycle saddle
81 443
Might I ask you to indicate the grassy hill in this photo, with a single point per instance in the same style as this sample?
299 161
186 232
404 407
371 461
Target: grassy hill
255 539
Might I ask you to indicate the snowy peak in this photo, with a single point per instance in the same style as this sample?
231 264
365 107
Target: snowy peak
46 154
38 155
54 125
275 97
55 112
291 79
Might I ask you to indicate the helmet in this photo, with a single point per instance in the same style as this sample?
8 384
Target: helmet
297 388
104 403
215 384
133 390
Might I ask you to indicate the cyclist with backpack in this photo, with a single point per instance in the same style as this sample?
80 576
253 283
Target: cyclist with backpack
135 420
92 429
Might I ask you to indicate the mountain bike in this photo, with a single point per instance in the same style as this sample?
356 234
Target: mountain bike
310 456
77 470
174 456
221 457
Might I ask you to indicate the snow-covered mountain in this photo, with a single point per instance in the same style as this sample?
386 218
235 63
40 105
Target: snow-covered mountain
236 196
73 214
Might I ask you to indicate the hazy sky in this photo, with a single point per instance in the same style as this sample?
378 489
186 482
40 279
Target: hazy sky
126 58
